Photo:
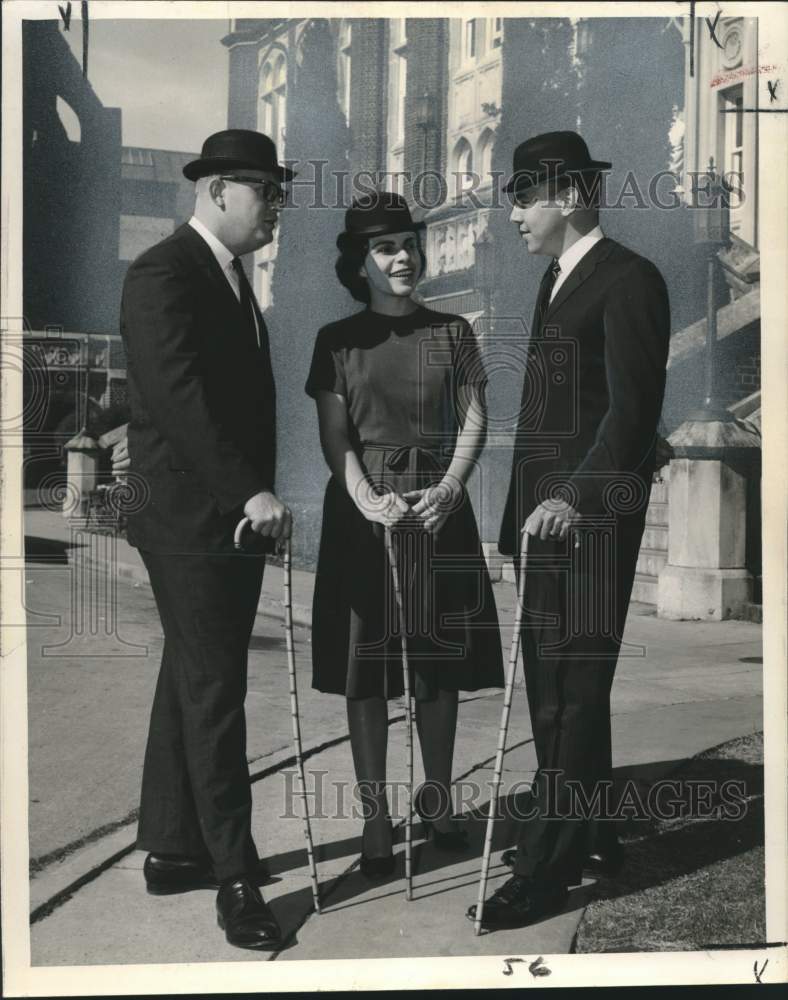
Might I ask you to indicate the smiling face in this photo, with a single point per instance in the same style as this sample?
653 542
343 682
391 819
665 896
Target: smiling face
392 266
542 219
249 202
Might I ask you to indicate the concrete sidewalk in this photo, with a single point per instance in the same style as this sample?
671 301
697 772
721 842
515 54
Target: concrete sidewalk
681 688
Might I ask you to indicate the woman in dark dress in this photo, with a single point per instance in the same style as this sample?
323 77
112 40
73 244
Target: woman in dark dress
400 398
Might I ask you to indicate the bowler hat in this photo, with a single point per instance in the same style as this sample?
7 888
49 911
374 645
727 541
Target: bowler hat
236 149
551 155
379 213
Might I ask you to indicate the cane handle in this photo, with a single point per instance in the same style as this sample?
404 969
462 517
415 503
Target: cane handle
239 530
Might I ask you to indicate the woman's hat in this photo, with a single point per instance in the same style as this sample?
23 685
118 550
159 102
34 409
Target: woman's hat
237 149
551 155
377 214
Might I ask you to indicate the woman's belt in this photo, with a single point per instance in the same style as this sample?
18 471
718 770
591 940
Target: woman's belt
407 457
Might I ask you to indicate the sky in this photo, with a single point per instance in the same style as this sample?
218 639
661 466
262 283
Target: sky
168 77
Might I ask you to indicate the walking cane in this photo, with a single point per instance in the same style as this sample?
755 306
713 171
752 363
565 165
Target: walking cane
408 717
242 524
502 731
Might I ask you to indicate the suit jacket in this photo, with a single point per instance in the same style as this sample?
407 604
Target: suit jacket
202 433
593 391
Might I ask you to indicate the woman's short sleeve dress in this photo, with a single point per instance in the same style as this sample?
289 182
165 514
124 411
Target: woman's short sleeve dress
407 382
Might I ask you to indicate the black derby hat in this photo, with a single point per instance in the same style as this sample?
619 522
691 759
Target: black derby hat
237 149
377 214
552 154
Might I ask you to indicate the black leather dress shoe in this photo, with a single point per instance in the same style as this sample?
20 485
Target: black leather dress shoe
604 864
597 865
166 874
245 917
518 903
509 857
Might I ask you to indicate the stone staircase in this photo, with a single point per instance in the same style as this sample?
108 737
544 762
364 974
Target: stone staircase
654 548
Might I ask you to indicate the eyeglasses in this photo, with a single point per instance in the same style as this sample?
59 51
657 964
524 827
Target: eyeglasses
272 193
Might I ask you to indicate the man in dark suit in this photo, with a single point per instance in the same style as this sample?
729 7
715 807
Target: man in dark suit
583 463
202 439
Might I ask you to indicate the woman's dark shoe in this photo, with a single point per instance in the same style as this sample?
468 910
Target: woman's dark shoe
443 840
383 865
377 867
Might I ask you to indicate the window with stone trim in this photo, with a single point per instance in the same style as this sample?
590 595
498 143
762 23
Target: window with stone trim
484 156
273 94
462 168
398 73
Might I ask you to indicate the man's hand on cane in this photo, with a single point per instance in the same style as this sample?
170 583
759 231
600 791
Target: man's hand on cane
268 516
121 461
552 519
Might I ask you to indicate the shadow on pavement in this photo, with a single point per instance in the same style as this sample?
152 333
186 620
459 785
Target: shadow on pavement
47 550
700 792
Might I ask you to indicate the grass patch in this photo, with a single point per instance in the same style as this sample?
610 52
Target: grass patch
694 882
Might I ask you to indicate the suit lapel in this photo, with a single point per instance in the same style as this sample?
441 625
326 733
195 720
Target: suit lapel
581 273
211 267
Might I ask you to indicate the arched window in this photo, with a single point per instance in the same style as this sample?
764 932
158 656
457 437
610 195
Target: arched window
343 68
463 167
273 90
484 155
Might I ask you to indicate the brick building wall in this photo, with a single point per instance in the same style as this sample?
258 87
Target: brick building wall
428 67
748 373
368 95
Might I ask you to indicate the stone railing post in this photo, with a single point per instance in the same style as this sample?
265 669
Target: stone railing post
706 576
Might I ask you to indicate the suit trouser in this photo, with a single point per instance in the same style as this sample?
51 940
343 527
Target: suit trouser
196 797
575 609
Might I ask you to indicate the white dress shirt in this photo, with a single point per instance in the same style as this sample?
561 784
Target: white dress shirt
225 260
570 258
224 256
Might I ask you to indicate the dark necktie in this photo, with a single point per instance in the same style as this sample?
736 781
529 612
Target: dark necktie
545 289
247 306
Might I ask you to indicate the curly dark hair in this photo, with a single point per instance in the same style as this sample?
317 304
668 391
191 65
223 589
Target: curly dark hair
353 252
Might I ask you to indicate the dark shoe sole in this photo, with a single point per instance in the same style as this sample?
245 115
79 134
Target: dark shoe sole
271 945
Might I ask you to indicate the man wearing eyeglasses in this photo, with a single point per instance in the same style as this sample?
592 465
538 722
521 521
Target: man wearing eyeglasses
202 437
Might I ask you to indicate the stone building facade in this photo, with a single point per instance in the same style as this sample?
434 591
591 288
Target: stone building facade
434 108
